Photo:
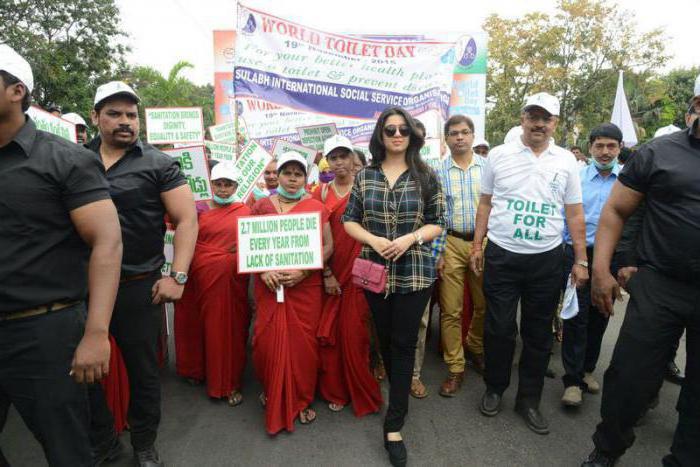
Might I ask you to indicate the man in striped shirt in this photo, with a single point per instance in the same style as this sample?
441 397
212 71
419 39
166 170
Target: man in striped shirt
460 176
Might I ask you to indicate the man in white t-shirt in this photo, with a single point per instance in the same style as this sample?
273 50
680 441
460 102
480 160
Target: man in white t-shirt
528 187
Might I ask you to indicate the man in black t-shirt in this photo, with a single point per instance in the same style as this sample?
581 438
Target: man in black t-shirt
58 227
145 185
664 293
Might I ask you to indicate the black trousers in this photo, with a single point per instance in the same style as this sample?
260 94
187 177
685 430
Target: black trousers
660 309
534 280
35 360
397 318
135 326
583 334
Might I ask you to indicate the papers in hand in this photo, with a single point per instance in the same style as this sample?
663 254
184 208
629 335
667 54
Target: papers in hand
280 294
569 308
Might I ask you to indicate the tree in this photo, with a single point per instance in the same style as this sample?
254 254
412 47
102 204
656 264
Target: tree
72 46
574 54
155 90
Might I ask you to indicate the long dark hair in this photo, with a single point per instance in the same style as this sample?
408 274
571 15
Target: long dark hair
419 170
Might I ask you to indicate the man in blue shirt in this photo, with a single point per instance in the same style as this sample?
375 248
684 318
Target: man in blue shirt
583 333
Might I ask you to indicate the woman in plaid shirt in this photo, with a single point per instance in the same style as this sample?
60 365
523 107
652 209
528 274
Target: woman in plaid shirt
396 208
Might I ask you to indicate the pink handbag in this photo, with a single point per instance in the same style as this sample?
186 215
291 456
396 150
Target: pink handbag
369 275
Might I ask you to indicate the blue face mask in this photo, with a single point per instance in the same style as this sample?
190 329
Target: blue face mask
225 201
609 166
301 192
326 177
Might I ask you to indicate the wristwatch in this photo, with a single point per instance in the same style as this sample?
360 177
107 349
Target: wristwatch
418 237
582 262
180 277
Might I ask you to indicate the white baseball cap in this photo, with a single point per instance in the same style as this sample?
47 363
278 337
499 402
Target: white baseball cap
14 64
666 130
114 88
545 101
291 156
226 169
74 118
335 142
480 142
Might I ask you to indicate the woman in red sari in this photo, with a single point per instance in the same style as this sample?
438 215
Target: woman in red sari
345 375
285 348
212 318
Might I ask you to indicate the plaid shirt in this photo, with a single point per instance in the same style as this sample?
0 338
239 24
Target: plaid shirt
462 190
391 213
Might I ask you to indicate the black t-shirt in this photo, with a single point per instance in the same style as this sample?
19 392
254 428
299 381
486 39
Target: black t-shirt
667 171
136 182
42 258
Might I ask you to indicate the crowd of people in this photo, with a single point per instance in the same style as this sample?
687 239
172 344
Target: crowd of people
489 233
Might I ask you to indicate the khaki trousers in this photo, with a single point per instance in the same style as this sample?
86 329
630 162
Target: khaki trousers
456 257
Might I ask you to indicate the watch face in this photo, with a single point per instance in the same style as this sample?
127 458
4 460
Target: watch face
180 277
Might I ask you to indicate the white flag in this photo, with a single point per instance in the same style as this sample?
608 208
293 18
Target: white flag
621 115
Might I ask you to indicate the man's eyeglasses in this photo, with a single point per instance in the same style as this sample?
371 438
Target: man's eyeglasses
536 118
455 133
390 130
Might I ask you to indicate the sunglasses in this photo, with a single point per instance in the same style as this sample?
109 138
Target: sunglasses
390 130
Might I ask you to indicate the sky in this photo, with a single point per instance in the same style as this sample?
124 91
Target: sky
163 32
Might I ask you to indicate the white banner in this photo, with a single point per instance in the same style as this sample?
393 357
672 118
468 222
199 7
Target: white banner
288 75
168 251
49 123
251 164
280 242
224 133
221 151
165 125
281 146
193 163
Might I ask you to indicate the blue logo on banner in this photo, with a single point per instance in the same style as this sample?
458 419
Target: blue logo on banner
469 54
250 25
448 57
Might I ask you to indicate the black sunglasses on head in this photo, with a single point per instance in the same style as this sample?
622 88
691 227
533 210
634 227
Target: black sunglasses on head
390 130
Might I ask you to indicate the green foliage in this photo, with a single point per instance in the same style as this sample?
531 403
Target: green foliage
72 46
155 90
574 54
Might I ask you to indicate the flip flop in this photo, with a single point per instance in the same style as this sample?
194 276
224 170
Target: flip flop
235 398
335 407
418 389
307 416
262 399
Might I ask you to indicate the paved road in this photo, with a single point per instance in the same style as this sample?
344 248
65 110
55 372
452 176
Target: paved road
196 431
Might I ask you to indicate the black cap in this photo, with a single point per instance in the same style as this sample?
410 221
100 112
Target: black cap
606 130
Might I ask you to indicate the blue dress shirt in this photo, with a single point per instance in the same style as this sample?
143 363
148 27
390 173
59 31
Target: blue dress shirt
596 190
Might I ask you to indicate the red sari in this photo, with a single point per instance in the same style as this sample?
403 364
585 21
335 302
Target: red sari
212 318
343 335
285 349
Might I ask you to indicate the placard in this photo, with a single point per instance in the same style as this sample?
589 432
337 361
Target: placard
280 242
282 146
431 149
314 136
168 250
193 163
221 151
49 123
165 125
224 133
251 165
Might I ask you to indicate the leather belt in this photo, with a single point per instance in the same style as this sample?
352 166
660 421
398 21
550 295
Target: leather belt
135 277
468 237
36 311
